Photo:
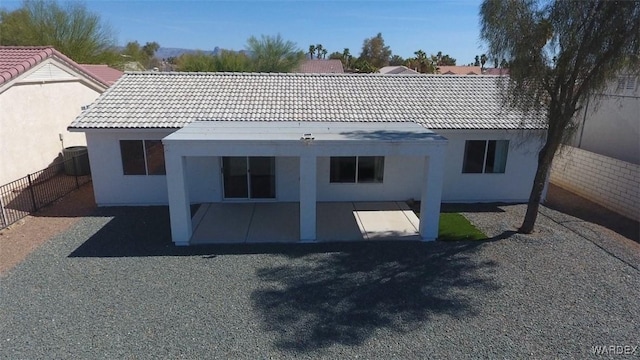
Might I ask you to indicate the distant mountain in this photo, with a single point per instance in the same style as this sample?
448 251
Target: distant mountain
164 52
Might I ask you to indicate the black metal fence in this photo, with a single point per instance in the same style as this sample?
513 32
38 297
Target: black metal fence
31 193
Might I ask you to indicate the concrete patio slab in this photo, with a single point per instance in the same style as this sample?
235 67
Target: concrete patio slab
389 222
222 223
274 223
278 222
338 222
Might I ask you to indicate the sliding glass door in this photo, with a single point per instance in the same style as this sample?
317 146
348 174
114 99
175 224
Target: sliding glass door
249 177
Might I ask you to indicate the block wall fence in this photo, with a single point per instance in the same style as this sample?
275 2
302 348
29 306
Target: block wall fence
612 183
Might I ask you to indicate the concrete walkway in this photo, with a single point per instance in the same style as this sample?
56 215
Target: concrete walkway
278 222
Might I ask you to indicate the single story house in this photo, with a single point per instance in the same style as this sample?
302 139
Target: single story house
41 91
184 138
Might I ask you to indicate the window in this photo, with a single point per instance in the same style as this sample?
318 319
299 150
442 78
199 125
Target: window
142 157
485 156
356 169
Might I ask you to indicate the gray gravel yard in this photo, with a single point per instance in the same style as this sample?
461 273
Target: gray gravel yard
113 286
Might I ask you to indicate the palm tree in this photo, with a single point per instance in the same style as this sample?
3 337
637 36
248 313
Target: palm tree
346 58
312 50
421 60
319 48
483 60
324 53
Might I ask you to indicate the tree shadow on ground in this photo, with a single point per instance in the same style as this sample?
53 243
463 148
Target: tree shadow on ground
347 296
574 205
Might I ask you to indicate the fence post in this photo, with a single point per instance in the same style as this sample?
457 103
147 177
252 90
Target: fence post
75 172
3 215
33 195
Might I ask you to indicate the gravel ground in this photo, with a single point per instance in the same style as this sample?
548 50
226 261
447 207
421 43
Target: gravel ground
113 286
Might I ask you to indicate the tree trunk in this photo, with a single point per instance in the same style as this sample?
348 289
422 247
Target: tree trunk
545 158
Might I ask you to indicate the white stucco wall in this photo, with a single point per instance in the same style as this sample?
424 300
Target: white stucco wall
33 116
610 124
111 187
403 176
402 181
512 186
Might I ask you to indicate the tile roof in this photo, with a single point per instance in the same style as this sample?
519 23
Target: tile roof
496 71
321 66
397 70
105 73
459 70
172 100
15 60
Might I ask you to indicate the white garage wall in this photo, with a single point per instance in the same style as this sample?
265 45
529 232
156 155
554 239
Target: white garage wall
512 186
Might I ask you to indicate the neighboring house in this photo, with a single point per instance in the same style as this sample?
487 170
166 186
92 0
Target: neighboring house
496 71
320 66
459 70
185 138
609 123
41 90
105 73
397 70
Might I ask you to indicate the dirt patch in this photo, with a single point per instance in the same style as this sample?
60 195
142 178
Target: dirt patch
23 237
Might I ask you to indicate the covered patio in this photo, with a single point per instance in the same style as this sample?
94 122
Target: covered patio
279 222
309 218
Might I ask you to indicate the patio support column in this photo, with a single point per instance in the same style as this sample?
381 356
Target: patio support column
431 194
179 208
308 198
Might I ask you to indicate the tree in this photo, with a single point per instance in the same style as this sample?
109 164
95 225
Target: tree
504 64
421 63
443 60
477 61
319 49
196 62
375 52
559 52
312 50
362 66
71 29
324 53
396 60
273 54
483 60
142 54
346 58
232 61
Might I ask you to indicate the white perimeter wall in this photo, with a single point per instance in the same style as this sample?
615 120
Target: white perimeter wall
33 115
402 175
612 183
512 186
611 126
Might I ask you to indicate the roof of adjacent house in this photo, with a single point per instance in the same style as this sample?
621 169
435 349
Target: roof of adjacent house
496 71
459 70
172 100
397 70
321 66
105 73
16 60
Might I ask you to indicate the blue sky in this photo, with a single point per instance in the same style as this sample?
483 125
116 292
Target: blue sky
431 25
